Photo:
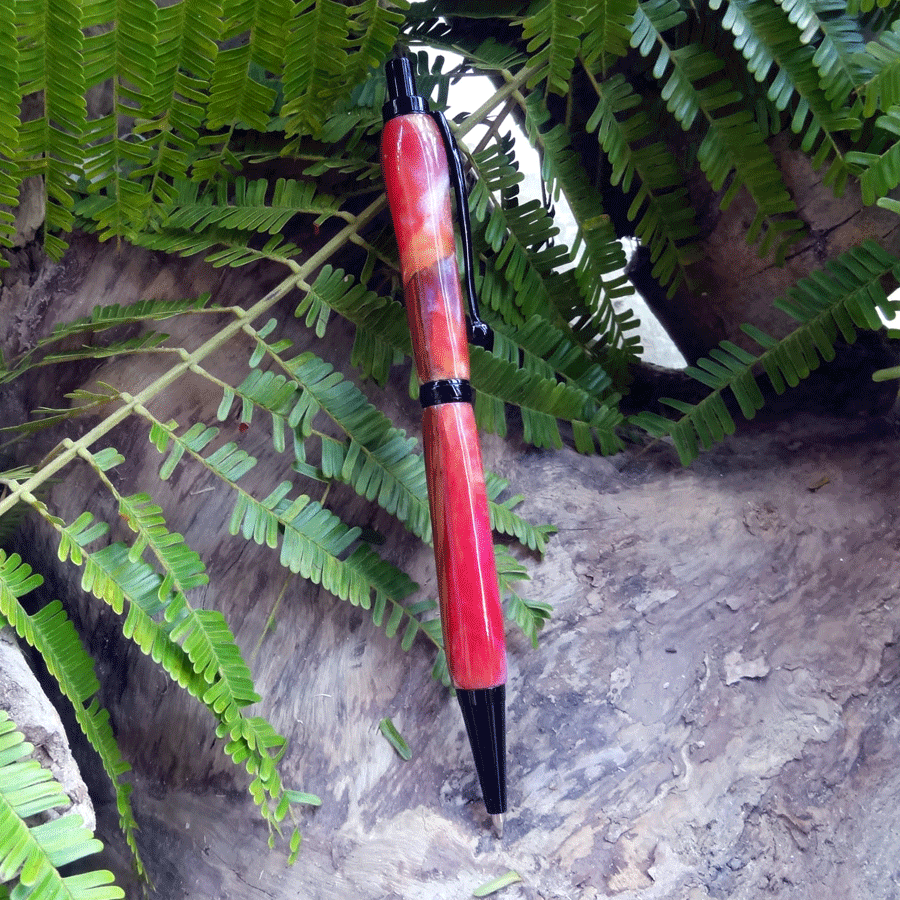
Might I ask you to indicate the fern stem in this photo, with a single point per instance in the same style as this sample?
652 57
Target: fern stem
218 340
270 619
494 127
299 273
513 83
370 248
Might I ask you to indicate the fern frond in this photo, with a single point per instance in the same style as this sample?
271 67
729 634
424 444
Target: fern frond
244 205
516 233
494 379
52 634
553 31
882 90
376 459
373 27
103 318
261 23
505 521
880 171
315 63
547 399
121 52
31 855
114 575
661 210
254 32
10 102
600 271
733 149
314 542
150 342
768 41
114 315
51 65
839 41
204 634
222 247
551 354
607 32
541 344
335 290
529 615
833 302
173 108
235 97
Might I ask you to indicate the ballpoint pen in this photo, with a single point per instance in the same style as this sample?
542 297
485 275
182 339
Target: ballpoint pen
420 160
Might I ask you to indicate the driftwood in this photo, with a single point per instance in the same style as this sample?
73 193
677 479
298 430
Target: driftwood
713 710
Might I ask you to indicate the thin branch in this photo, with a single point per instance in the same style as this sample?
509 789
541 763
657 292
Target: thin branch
300 271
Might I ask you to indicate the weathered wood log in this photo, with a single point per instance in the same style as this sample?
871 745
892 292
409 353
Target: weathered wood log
712 711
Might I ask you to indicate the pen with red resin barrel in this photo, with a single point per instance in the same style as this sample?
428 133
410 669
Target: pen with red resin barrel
418 157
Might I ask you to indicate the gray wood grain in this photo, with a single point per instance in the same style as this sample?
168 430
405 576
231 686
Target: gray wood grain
712 712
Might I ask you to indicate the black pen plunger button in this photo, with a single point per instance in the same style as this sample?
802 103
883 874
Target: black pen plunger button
401 87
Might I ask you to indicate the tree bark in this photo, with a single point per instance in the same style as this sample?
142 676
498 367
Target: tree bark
711 712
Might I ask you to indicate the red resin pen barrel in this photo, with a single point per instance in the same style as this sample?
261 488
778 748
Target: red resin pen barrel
416 174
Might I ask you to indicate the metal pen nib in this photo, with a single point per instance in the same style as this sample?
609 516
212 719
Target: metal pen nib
497 820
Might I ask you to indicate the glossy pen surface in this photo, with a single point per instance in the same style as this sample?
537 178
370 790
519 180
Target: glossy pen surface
418 188
417 178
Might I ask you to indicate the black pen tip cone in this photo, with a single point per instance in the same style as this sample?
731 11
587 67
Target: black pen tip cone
484 712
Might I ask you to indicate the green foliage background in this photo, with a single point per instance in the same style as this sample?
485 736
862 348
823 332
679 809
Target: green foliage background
148 123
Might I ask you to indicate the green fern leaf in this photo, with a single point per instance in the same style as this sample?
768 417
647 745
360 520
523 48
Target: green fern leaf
31 854
373 29
505 521
261 23
768 41
114 575
661 210
529 615
112 315
247 206
51 65
254 32
840 42
231 247
235 97
316 60
880 171
335 290
493 378
103 318
548 399
833 302
514 233
314 541
119 51
600 272
173 108
10 102
607 32
204 634
553 31
882 90
733 149
52 634
376 460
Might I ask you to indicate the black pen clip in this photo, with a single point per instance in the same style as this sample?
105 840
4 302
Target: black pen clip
402 99
480 333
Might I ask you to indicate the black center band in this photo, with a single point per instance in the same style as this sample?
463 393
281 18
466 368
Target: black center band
446 390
